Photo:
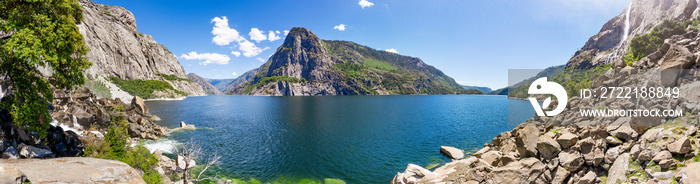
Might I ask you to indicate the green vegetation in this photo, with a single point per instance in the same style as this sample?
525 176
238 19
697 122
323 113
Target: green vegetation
114 147
373 63
40 34
646 44
573 80
99 88
145 88
266 80
172 77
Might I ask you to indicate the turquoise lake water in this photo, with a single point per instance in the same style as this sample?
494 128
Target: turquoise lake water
359 139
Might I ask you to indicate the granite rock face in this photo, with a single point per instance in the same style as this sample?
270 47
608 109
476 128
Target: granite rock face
71 170
118 49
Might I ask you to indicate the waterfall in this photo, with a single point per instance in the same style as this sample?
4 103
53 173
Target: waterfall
626 31
627 23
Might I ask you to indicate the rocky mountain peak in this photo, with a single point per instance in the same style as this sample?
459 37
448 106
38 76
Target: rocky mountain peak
639 17
302 56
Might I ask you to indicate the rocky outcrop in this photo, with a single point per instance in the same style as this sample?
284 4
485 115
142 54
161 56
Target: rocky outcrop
116 48
610 43
82 111
452 152
208 88
70 170
240 80
305 66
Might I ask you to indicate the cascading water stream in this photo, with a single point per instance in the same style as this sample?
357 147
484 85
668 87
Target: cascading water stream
625 34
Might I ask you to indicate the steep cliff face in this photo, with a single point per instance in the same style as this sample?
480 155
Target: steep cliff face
208 88
638 18
306 65
118 49
240 80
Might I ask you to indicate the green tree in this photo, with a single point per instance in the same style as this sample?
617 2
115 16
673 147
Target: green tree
38 34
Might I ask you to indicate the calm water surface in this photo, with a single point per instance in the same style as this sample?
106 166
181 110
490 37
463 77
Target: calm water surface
359 139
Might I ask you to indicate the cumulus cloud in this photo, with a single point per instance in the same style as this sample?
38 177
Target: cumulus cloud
257 35
260 59
249 49
236 53
208 58
272 37
365 3
223 34
392 50
286 32
235 74
340 27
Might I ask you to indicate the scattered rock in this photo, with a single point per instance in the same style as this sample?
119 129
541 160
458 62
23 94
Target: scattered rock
526 140
26 151
589 178
526 170
491 157
567 139
680 146
411 175
618 170
667 163
180 162
10 153
547 147
663 155
571 160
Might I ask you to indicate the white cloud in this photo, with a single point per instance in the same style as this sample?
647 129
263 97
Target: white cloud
272 37
257 35
236 53
235 74
223 34
207 57
286 32
365 3
392 50
260 59
249 49
340 27
278 32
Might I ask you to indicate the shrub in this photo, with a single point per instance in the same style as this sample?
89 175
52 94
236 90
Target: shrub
99 88
172 77
144 88
114 147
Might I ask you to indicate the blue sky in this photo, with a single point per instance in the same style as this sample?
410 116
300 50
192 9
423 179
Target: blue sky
475 42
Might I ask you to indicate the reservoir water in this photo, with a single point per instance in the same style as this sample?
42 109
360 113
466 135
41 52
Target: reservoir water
359 139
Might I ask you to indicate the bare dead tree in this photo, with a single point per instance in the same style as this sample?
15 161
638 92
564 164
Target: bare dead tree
188 153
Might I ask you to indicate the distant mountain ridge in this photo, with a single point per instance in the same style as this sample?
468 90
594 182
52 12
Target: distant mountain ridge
306 65
548 72
484 90
208 87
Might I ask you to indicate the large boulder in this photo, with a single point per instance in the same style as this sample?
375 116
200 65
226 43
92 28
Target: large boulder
567 139
10 174
617 172
138 105
676 59
452 152
680 146
526 140
524 171
26 151
691 173
411 175
571 160
593 151
10 153
83 118
75 170
547 147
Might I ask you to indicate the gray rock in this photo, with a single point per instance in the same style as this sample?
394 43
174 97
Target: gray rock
667 163
571 160
138 104
672 64
663 155
10 153
10 174
26 151
182 163
492 157
618 170
524 171
75 170
567 139
680 146
612 154
411 175
526 140
452 152
589 178
547 147
691 173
